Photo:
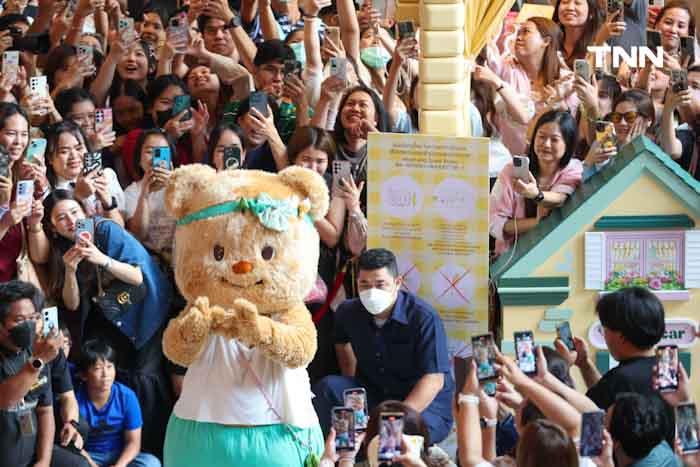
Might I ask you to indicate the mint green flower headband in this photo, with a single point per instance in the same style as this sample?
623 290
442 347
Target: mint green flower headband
272 213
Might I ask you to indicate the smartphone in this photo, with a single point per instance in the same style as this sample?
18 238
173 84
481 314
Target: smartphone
10 64
525 350
461 369
179 32
38 85
653 39
339 68
406 29
333 34
687 427
667 367
564 334
679 80
390 434
127 32
521 168
615 6
232 157
356 398
656 3
592 433
340 170
605 133
258 101
484 352
36 149
4 164
688 47
343 420
182 103
24 191
161 157
583 69
103 119
292 67
92 161
84 229
86 55
50 317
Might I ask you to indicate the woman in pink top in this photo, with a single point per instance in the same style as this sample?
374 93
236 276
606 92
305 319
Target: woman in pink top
516 206
536 74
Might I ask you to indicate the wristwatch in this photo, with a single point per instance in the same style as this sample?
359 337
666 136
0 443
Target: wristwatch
37 364
234 23
488 422
539 198
112 206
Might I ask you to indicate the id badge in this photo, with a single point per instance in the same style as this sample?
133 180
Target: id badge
26 423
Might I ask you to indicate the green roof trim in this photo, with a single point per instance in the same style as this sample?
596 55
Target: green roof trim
640 157
677 221
524 291
524 282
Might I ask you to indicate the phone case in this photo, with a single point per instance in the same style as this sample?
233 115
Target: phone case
343 420
39 85
103 119
525 351
564 334
521 168
178 32
484 356
605 133
333 33
583 69
688 47
161 157
10 63
50 317
4 164
406 29
687 427
390 434
92 162
25 191
667 368
258 101
592 433
232 158
182 103
84 229
340 170
127 33
679 80
339 68
85 54
356 398
36 149
292 67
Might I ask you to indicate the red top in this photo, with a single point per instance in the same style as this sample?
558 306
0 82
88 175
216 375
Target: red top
11 247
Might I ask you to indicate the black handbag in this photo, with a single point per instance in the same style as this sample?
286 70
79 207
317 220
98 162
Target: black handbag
115 300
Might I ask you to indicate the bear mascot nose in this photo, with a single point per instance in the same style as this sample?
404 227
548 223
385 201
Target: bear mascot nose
242 267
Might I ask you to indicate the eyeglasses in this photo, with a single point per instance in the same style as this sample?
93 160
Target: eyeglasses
630 117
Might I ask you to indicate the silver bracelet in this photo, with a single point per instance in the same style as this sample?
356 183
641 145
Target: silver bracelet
467 399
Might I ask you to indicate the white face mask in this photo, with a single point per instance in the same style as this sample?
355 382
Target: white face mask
376 300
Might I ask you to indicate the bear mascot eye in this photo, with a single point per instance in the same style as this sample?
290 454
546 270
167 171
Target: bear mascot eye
218 252
267 252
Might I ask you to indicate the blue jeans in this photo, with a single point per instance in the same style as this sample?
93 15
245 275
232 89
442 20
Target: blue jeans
105 459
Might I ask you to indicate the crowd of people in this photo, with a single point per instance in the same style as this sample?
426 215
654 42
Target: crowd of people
94 92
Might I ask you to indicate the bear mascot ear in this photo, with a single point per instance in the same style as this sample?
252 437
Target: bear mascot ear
310 185
186 180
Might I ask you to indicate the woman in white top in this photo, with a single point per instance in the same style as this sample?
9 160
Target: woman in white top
146 216
99 190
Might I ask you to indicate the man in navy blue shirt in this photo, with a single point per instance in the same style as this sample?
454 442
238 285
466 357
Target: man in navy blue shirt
393 344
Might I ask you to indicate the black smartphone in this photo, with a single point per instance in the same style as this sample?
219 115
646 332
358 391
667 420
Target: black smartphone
484 352
390 435
356 398
592 433
667 367
687 427
653 39
182 103
688 47
292 67
343 420
92 162
461 369
679 80
406 29
615 6
232 157
258 101
583 69
564 334
525 350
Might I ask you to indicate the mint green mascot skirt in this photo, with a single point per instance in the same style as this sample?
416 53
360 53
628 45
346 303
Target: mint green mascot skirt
193 444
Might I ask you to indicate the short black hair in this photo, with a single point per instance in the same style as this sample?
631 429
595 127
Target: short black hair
636 313
569 132
69 97
273 50
14 291
96 350
160 10
378 258
636 423
157 86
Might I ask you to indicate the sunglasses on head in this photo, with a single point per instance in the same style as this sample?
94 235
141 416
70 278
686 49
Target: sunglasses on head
630 117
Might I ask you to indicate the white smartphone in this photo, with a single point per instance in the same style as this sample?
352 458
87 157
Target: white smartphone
340 170
50 317
339 67
521 168
39 86
10 64
25 191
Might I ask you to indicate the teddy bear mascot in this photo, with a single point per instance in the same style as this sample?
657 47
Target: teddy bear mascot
246 254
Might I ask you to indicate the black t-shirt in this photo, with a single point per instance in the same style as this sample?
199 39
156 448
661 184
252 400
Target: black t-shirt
17 449
61 381
688 139
633 375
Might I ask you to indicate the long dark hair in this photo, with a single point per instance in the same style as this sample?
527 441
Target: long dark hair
54 134
545 443
142 140
596 18
57 243
550 64
413 423
569 131
216 136
683 5
382 117
309 136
